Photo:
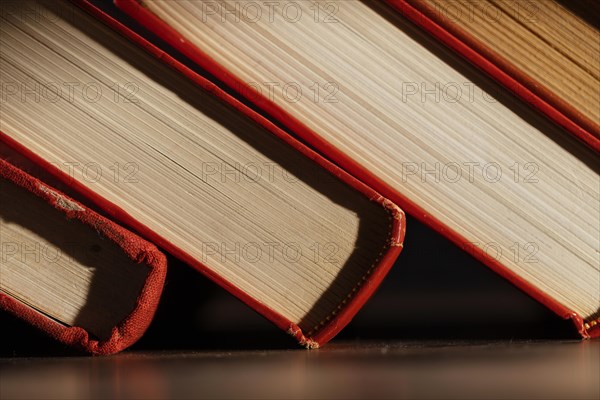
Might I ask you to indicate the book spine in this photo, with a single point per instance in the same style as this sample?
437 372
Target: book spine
138 250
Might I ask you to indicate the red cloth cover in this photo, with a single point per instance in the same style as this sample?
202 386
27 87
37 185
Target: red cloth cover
138 250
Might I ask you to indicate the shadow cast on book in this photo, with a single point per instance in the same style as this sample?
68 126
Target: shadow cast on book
65 259
368 214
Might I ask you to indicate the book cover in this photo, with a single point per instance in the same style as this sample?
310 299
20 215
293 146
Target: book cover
142 256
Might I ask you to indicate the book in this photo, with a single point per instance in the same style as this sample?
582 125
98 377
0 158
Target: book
410 117
167 153
542 51
70 272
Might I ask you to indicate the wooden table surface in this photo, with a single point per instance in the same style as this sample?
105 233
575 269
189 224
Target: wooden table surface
344 370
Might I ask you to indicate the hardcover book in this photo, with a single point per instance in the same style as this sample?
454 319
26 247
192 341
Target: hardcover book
70 272
541 51
167 153
410 117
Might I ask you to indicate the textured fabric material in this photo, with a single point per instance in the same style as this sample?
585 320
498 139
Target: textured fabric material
137 249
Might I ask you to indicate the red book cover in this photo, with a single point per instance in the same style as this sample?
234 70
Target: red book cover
141 253
179 42
363 289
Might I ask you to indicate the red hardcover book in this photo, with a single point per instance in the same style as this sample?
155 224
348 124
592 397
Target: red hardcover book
43 233
439 24
394 112
289 233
